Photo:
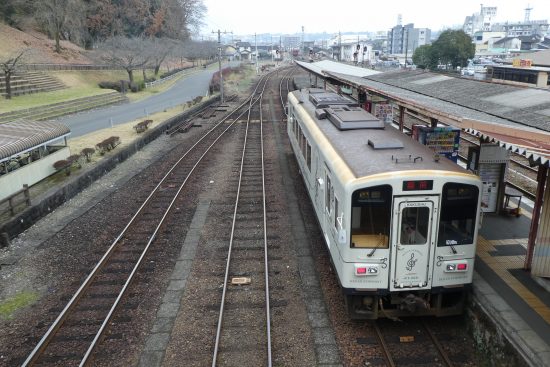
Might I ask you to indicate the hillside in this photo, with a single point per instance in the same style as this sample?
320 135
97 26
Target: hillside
41 48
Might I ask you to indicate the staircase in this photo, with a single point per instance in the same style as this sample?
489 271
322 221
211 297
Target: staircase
29 82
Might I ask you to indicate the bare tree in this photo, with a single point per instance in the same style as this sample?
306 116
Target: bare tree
191 51
9 66
126 53
183 18
160 49
208 50
60 17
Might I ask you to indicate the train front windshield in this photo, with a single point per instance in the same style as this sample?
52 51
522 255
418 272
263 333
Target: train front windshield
371 217
458 214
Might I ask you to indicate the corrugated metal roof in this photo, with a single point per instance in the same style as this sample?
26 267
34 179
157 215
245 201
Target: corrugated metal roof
21 135
433 104
321 67
537 152
509 102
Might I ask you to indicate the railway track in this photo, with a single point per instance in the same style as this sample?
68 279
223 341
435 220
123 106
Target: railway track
284 87
72 338
244 305
411 343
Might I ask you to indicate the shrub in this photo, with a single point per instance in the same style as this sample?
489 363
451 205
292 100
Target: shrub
75 160
120 86
142 126
108 144
63 165
88 153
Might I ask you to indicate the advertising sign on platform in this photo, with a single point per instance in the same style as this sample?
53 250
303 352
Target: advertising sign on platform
442 140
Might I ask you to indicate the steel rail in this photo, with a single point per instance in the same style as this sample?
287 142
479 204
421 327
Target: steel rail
48 336
287 78
266 266
153 236
230 247
385 349
438 345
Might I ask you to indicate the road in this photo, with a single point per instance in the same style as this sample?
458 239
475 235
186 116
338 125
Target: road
185 89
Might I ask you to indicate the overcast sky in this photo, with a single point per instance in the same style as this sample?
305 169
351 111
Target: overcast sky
288 16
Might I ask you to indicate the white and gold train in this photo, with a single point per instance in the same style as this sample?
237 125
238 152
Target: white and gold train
400 224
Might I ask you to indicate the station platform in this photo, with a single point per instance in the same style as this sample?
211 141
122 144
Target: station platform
517 303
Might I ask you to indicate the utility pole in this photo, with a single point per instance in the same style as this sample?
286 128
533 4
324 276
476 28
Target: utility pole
339 45
220 60
272 49
256 43
406 46
302 50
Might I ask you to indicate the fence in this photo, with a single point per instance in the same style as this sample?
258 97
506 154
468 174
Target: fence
160 81
30 67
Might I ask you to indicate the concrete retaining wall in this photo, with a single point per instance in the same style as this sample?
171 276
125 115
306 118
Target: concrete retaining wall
69 189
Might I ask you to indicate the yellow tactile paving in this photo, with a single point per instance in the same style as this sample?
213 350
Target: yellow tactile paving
502 264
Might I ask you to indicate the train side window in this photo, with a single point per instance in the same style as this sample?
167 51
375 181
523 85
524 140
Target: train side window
458 214
308 158
303 143
371 217
291 123
328 194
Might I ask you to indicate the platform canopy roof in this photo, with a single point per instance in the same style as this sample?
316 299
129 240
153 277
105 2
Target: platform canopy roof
517 118
20 136
321 68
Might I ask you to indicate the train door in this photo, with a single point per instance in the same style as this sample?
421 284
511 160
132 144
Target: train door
413 241
329 206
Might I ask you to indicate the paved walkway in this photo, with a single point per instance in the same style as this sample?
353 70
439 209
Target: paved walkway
518 303
185 89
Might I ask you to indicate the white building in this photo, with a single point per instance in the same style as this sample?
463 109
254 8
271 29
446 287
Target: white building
481 21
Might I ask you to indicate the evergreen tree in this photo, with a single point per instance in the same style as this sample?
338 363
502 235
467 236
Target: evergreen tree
453 47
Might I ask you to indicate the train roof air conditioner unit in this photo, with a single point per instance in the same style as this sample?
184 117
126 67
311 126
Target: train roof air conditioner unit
348 118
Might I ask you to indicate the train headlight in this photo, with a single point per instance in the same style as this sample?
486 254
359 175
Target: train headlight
366 269
456 266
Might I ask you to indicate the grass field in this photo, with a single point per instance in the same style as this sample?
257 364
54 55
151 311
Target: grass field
80 84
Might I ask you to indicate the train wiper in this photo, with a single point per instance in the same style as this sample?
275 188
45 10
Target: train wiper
381 242
451 245
372 251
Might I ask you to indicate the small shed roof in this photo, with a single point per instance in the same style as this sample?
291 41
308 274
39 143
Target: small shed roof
19 136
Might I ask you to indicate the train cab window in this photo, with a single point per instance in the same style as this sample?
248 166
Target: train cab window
458 214
371 217
414 226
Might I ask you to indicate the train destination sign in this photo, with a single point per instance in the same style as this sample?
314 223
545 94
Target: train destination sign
418 185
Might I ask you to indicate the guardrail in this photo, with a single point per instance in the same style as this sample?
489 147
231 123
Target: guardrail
160 81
